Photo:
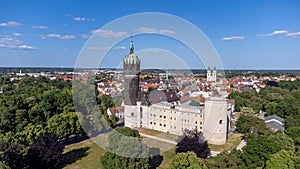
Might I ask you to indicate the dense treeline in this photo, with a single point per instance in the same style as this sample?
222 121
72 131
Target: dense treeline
38 114
283 101
265 149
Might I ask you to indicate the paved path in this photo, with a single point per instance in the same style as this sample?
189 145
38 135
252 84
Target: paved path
241 145
213 153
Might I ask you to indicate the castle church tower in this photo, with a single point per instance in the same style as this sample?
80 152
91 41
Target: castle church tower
131 70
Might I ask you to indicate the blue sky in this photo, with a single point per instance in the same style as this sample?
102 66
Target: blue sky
248 34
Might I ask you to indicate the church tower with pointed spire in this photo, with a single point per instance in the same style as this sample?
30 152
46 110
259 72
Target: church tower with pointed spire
131 70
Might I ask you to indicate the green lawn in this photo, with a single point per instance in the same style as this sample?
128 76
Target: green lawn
234 140
83 155
167 157
86 154
160 134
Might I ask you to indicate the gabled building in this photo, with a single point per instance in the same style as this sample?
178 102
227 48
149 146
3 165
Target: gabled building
274 123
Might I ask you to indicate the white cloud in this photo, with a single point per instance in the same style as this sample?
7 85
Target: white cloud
40 27
79 19
10 24
233 38
107 48
167 32
293 34
26 47
13 43
155 31
84 36
146 30
109 33
274 33
17 34
63 37
83 19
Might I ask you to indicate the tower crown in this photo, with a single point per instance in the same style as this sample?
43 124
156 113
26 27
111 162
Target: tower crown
131 58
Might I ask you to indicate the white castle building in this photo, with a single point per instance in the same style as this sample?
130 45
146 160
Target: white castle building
162 111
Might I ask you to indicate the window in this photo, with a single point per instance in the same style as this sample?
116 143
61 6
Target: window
165 117
150 114
151 122
154 123
200 127
164 125
171 118
132 114
201 123
196 122
160 116
174 118
220 122
160 124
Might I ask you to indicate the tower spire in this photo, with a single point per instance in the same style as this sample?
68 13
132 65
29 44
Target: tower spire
167 81
131 46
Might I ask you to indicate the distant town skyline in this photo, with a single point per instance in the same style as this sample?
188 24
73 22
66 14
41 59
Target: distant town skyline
250 34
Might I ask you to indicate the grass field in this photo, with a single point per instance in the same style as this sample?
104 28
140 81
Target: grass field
234 140
86 154
83 155
160 134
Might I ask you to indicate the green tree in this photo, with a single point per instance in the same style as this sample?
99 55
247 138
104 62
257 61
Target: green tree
283 160
251 126
30 133
294 133
187 160
259 149
125 150
64 125
248 111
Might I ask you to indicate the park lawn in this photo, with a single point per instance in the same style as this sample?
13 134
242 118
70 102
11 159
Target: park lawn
234 139
167 158
83 155
160 134
150 132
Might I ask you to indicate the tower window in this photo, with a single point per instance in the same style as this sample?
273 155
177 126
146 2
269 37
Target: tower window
220 122
132 114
